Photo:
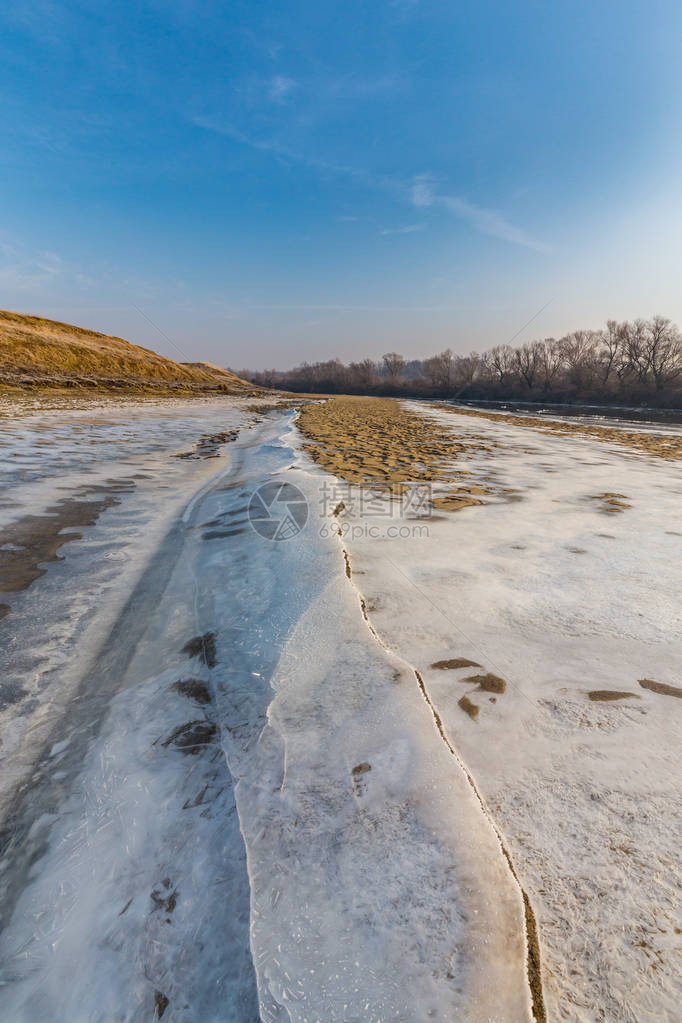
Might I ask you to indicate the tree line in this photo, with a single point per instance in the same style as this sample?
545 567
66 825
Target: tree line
638 362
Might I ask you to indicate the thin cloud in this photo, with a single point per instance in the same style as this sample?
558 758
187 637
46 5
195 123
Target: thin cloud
220 127
407 229
421 193
280 88
23 270
491 223
404 8
483 220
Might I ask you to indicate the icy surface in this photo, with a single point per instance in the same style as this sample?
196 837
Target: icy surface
359 878
59 623
546 589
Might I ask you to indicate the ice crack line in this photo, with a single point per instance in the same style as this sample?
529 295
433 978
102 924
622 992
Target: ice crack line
533 963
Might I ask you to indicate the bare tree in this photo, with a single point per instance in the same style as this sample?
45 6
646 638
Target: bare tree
440 369
637 362
580 357
610 350
394 364
502 362
528 361
663 350
633 361
551 362
467 368
361 374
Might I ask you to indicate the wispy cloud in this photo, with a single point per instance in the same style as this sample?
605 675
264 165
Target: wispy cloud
353 86
271 145
492 223
406 229
280 88
483 220
22 270
421 191
404 8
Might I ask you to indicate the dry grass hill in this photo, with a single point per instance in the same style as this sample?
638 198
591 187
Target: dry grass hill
36 353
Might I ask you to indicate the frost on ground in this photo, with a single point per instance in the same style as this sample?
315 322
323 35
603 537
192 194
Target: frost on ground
224 798
564 585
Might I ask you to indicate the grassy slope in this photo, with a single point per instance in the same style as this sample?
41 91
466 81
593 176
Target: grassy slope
35 352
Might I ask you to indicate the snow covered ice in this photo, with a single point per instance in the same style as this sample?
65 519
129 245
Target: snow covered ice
233 786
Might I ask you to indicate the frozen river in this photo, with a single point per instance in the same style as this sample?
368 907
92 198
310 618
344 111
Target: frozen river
234 784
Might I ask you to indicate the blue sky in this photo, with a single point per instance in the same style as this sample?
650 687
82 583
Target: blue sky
260 183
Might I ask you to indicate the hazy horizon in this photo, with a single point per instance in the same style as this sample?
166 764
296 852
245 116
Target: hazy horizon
259 187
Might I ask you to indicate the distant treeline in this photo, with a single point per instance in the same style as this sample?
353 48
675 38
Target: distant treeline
637 362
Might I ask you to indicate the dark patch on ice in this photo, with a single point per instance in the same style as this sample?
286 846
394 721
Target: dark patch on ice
357 772
576 550
468 707
487 683
198 800
126 907
4 610
34 540
193 737
339 508
163 898
221 534
606 695
161 1003
611 503
208 445
219 520
455 662
193 689
203 647
662 688
10 693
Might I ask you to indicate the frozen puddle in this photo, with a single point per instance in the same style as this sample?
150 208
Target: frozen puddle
242 806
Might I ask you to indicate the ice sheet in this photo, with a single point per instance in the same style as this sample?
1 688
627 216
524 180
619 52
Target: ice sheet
59 623
377 885
559 597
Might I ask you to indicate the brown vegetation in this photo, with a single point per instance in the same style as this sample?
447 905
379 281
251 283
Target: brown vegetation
455 662
662 688
40 353
608 695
